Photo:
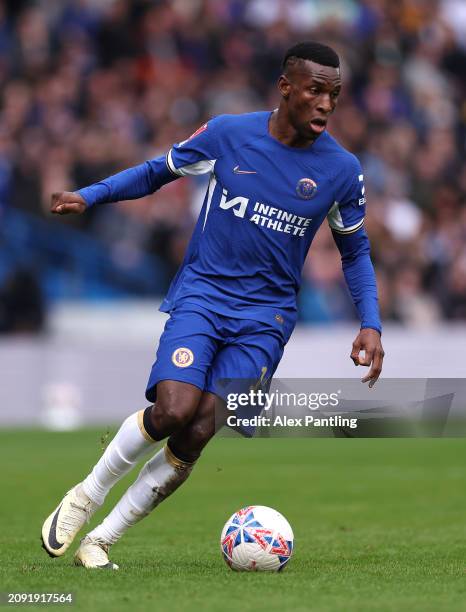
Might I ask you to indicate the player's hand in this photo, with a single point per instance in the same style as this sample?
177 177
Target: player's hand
67 202
368 340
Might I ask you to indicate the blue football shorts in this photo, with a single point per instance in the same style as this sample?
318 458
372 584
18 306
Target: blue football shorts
215 353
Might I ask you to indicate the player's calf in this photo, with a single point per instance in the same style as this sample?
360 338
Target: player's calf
158 479
128 447
189 441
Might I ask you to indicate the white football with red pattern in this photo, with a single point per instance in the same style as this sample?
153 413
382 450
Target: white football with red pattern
257 538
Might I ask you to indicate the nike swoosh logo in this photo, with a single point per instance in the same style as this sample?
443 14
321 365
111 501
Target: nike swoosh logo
53 542
236 170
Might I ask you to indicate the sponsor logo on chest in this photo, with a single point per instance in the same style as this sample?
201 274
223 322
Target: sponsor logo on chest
266 215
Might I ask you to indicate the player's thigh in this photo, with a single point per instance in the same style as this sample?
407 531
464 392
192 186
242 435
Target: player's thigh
186 351
248 363
241 367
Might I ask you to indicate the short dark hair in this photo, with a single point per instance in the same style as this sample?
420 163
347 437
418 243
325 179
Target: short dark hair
314 51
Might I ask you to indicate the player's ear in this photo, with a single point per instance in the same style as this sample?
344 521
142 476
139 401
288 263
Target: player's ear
284 86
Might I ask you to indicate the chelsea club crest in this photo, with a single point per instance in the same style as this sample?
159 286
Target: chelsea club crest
306 188
183 357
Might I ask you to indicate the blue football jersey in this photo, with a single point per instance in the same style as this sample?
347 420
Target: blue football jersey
264 203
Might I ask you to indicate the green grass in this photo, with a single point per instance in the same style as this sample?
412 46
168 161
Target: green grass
379 525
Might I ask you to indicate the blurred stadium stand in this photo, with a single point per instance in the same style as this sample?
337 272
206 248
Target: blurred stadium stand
89 87
72 264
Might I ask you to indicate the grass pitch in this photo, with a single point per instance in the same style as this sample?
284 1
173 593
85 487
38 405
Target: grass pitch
379 525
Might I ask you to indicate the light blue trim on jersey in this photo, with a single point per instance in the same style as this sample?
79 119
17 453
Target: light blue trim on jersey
210 193
203 166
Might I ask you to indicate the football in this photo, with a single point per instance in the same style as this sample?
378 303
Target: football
257 538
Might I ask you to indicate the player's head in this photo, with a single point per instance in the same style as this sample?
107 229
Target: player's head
310 85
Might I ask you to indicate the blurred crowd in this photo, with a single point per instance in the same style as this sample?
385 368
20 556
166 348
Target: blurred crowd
89 87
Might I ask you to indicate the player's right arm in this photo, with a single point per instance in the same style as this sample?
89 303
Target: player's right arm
129 184
196 155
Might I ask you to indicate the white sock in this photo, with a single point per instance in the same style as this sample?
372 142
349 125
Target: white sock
159 477
128 446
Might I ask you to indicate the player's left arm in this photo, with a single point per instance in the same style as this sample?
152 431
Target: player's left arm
346 219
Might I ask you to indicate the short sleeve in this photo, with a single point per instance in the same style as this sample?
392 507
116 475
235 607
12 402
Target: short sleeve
197 154
347 213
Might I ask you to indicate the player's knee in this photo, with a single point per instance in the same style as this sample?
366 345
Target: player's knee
169 415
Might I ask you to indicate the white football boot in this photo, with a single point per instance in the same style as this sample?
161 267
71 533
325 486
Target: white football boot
61 527
93 554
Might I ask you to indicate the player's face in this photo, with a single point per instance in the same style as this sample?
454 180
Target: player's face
311 92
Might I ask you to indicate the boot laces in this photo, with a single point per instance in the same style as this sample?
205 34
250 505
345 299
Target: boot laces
74 518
